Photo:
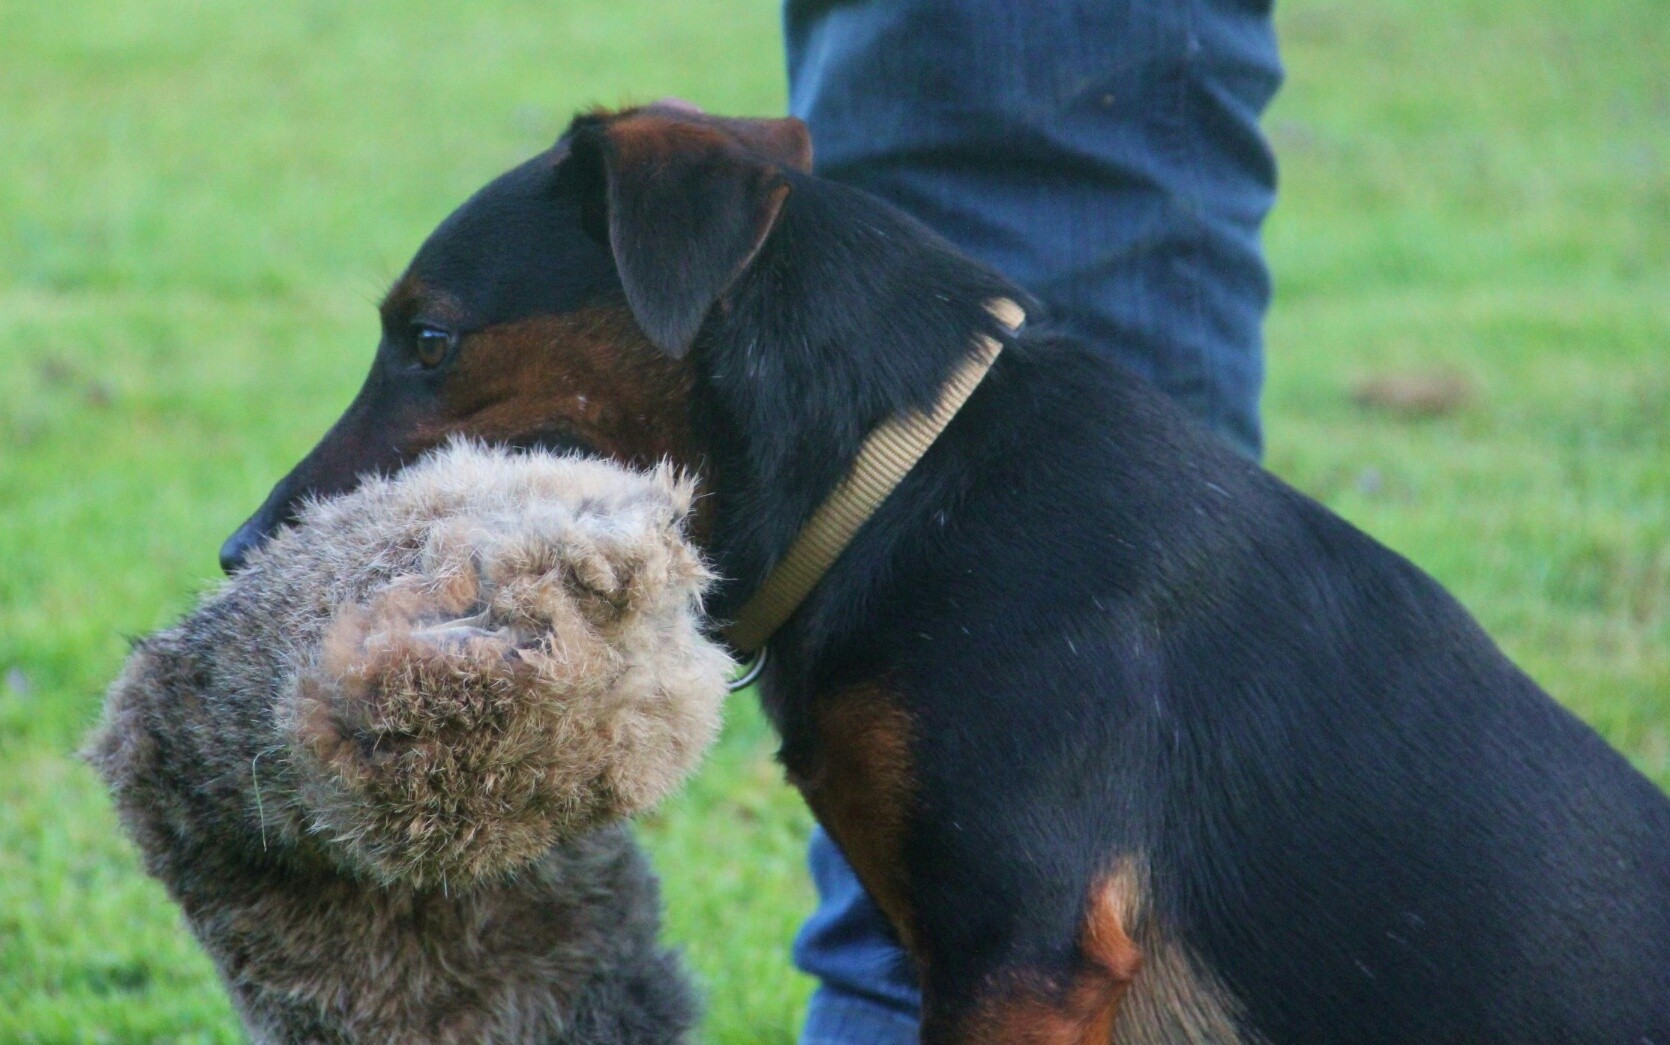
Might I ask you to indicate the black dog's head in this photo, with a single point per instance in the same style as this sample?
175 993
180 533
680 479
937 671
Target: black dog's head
662 285
555 308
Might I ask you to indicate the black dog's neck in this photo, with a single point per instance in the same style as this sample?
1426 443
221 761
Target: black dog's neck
838 325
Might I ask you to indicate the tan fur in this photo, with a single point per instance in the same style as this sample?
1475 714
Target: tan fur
1134 985
784 141
1172 998
860 787
1028 1009
381 770
608 385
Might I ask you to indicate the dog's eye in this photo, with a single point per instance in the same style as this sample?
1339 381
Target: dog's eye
432 344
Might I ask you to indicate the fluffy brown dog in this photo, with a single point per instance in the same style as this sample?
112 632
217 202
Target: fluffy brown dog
382 770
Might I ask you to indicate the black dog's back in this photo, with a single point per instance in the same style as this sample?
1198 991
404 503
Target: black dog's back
1363 819
1456 855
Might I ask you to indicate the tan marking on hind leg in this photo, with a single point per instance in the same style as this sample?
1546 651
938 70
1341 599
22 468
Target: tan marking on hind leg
1135 985
1174 1000
1037 1010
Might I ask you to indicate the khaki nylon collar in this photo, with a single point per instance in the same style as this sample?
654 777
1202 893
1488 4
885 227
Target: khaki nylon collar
887 456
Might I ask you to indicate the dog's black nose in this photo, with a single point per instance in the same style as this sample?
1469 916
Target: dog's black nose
238 546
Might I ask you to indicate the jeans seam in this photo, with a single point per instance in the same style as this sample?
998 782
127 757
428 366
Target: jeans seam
1187 152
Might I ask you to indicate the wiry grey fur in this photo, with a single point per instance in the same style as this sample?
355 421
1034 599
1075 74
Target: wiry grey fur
383 770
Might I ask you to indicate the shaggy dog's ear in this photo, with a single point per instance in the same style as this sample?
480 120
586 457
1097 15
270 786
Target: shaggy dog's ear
686 201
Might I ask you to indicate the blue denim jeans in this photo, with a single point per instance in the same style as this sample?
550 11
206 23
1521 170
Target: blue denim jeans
1104 154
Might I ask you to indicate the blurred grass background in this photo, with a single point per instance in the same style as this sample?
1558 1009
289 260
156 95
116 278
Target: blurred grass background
201 199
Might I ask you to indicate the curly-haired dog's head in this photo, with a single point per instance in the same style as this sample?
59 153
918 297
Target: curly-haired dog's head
468 670
463 665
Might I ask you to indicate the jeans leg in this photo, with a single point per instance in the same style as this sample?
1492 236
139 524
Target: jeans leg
868 989
1106 155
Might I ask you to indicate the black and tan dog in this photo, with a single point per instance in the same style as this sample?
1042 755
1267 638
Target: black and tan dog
1128 739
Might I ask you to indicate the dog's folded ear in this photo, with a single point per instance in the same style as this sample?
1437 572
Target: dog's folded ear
688 200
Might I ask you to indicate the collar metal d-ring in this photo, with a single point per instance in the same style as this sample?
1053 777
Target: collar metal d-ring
749 673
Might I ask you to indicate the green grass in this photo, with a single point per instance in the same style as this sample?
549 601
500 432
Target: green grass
200 199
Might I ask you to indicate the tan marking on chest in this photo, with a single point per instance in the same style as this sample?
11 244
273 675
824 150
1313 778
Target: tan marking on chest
860 787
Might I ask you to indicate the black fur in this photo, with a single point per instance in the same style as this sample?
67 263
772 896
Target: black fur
1115 637
680 230
1118 636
